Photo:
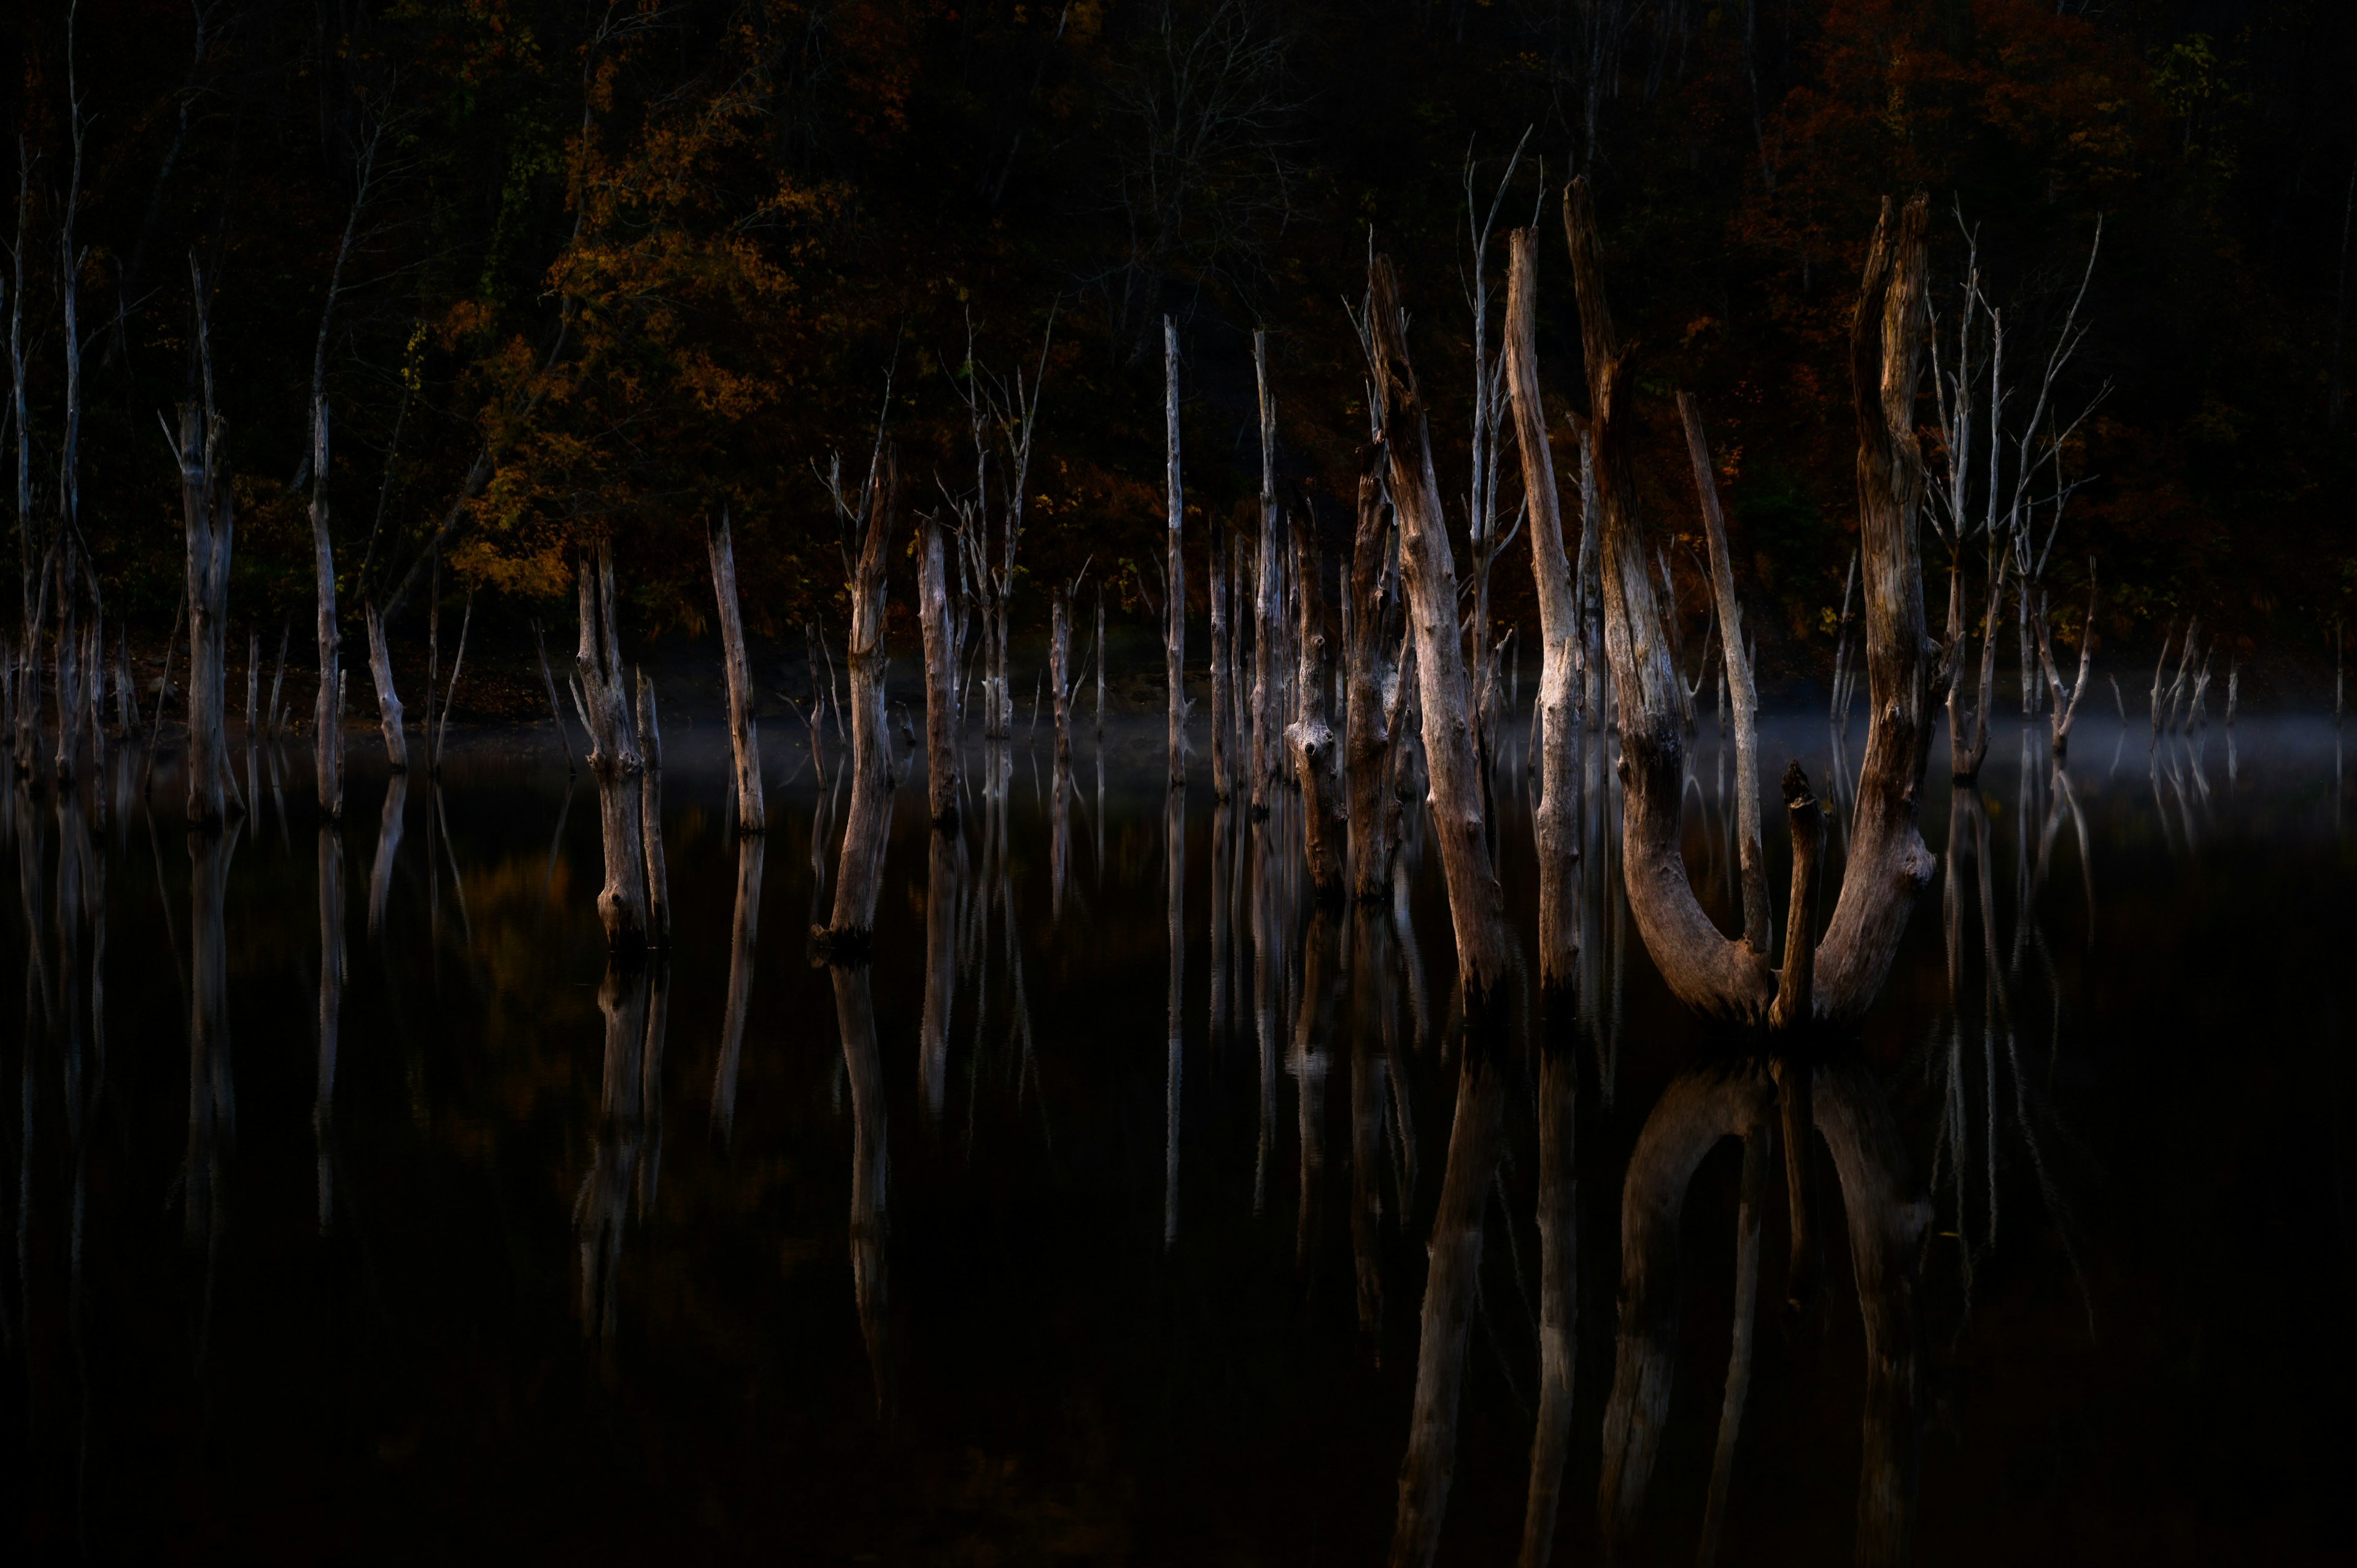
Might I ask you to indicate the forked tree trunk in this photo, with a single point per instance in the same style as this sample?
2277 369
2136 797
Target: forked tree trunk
650 815
207 517
388 701
859 874
1749 861
1476 906
1367 743
1311 735
940 679
743 740
2066 698
1174 585
614 760
1556 826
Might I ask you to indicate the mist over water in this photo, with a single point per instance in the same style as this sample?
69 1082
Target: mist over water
357 1210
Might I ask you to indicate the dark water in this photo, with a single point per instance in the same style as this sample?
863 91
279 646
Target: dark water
543 1265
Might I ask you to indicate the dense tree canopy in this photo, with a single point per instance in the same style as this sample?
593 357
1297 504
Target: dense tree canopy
614 266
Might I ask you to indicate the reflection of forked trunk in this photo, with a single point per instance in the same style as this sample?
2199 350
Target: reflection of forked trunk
331 1007
388 845
1174 871
743 932
1451 1285
942 877
863 1068
634 1007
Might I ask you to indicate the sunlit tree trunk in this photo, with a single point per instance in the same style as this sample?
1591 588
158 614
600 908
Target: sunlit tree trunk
614 760
940 679
744 739
859 873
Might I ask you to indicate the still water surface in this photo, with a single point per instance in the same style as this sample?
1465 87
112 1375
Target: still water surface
975 1256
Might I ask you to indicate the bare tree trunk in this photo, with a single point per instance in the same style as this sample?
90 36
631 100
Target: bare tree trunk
1476 904
1268 600
388 701
2066 698
1754 868
1555 827
940 679
744 741
614 760
1312 735
555 710
1223 676
650 814
70 666
1060 672
859 873
1174 585
1367 747
207 517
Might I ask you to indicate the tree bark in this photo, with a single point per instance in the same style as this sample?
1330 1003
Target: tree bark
1476 904
1708 972
1173 587
388 701
940 679
1367 747
209 519
1311 735
1268 600
614 760
650 813
743 740
1556 826
1750 859
1059 672
859 873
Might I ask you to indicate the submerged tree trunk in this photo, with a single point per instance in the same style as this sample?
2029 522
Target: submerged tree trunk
859 874
1059 672
940 679
743 740
614 760
2066 698
208 516
388 701
1556 826
1475 902
651 815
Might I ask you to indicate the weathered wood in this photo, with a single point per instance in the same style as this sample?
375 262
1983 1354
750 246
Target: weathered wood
1750 859
651 810
1223 672
1707 971
1268 602
744 739
1059 672
2066 698
1476 904
209 519
941 678
860 870
1174 577
614 760
388 701
1558 1206
1553 824
1367 742
1311 734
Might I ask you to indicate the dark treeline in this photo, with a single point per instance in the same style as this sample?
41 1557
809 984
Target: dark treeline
562 272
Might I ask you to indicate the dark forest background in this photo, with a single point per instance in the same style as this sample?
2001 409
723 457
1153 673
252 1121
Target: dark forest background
653 260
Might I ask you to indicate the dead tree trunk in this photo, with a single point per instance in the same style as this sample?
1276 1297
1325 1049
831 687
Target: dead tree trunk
1556 826
1268 600
1476 904
940 679
1060 672
1173 582
859 874
207 517
1311 735
744 741
650 813
614 760
1753 868
1367 747
1223 676
2066 698
388 701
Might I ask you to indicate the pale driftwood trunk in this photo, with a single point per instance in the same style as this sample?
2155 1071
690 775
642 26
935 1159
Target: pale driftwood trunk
1223 676
1367 743
1311 735
1752 866
1268 601
1059 672
209 519
860 872
650 814
940 679
1708 972
1555 823
743 740
1476 904
614 760
1450 1283
1174 584
388 701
